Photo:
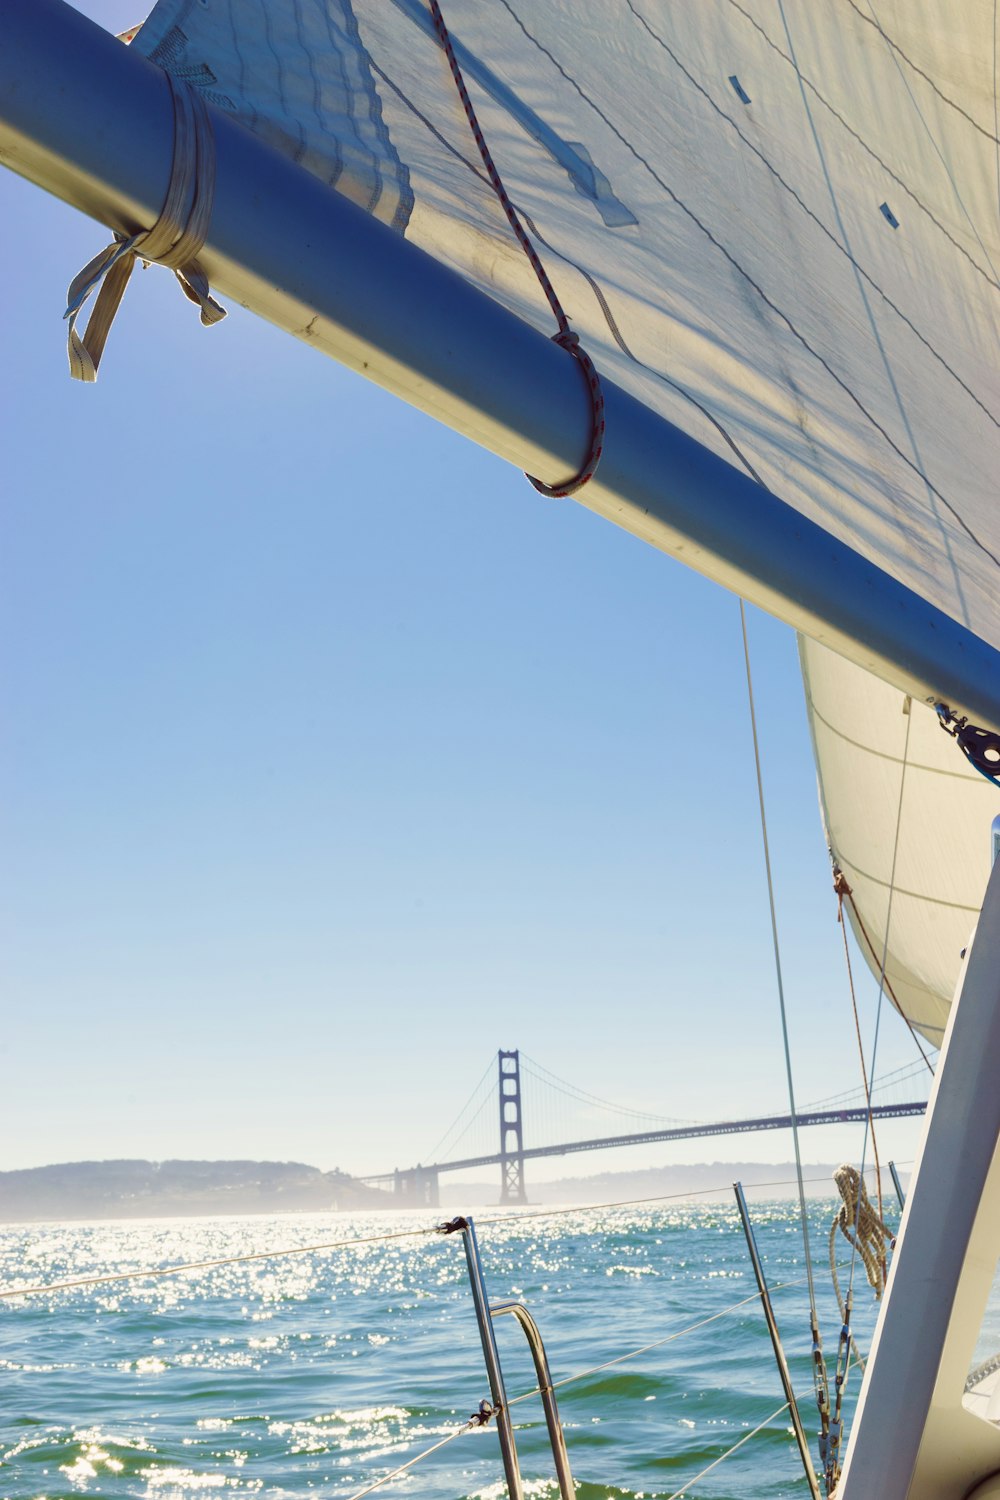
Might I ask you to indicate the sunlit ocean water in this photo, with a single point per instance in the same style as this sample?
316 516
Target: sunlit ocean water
316 1373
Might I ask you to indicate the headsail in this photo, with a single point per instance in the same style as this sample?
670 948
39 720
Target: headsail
878 753
776 225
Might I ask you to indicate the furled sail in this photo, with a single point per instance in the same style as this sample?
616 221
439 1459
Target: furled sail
878 755
774 223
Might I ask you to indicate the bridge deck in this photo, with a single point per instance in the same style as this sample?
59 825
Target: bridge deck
855 1115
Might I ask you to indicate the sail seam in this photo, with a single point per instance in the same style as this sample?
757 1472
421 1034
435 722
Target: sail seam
811 214
778 312
885 755
867 146
873 21
901 891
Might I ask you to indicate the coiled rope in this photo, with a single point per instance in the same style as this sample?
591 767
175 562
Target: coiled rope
566 338
867 1234
175 240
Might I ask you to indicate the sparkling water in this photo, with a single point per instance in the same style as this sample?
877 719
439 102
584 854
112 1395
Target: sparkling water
321 1371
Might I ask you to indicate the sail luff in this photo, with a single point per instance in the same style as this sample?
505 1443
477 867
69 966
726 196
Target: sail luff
93 126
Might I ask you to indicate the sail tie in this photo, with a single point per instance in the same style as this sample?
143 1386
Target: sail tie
566 338
175 240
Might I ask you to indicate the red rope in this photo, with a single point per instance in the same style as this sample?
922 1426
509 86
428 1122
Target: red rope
565 338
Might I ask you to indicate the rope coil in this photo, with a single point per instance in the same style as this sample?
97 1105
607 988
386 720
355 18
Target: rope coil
565 338
175 240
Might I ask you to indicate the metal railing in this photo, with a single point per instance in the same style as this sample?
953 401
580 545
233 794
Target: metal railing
486 1312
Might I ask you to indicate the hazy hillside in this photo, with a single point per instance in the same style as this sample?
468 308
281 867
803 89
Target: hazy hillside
767 1179
145 1189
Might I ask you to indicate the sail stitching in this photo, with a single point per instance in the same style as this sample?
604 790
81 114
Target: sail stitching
566 338
814 217
867 146
742 271
175 240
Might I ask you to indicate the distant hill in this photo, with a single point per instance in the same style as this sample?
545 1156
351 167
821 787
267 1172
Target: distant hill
148 1189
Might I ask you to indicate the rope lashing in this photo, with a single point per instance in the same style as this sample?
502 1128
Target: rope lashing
565 338
175 240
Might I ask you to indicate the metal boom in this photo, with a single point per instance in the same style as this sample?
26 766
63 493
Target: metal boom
91 121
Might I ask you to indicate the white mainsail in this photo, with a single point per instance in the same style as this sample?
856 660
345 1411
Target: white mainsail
774 223
878 755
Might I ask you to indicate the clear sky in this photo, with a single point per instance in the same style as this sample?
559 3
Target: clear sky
335 758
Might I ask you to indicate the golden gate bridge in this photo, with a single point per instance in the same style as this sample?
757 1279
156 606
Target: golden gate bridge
500 1095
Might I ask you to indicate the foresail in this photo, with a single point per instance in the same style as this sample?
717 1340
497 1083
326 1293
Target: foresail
879 754
775 224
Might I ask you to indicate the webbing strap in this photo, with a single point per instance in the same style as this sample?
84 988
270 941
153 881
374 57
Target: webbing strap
175 240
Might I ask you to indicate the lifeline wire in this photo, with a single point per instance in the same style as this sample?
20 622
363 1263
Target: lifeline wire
476 1421
374 1239
728 1453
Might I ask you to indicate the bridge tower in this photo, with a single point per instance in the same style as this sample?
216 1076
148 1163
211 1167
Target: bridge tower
511 1139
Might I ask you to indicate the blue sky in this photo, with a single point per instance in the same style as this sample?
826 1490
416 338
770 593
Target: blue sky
335 757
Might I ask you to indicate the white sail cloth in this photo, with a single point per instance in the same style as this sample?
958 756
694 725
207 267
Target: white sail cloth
776 222
859 729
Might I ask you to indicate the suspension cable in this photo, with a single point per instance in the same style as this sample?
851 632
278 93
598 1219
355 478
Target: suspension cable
554 1081
432 1155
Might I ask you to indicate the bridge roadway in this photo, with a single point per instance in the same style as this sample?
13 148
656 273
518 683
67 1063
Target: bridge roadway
855 1115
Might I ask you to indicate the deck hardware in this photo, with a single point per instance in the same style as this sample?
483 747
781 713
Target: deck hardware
738 89
896 1182
981 747
779 1353
485 1314
888 215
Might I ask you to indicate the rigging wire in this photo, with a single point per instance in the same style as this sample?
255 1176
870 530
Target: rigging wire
481 1418
839 884
885 979
821 1382
777 965
882 966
